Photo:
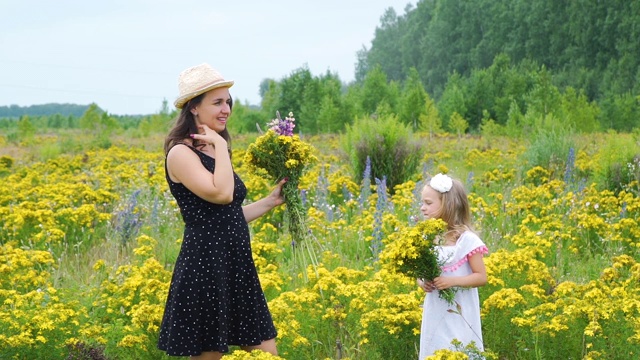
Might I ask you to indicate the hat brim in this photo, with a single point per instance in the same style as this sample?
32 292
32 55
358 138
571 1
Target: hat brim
181 100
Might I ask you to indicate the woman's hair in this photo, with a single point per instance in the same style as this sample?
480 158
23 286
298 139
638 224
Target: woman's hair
185 124
455 209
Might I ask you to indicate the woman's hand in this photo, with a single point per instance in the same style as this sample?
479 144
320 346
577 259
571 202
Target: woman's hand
206 134
262 206
427 286
276 198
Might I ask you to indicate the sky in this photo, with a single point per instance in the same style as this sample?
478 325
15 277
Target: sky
126 55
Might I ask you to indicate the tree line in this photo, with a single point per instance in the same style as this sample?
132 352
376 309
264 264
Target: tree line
589 45
492 66
500 65
15 111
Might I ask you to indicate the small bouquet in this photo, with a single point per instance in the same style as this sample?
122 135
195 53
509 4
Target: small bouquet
281 154
414 253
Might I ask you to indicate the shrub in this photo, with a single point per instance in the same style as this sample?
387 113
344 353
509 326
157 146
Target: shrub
550 149
619 162
390 145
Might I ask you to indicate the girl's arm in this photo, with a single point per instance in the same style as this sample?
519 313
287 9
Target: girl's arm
262 206
477 278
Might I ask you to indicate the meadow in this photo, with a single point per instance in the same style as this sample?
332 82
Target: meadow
89 235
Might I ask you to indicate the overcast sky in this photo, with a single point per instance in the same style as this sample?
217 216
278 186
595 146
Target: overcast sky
125 55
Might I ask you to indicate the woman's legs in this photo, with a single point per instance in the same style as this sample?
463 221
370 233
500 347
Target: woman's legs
209 355
266 346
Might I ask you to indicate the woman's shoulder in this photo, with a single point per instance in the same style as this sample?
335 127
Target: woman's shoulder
181 153
181 145
180 149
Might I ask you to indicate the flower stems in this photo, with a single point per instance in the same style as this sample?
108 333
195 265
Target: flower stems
295 212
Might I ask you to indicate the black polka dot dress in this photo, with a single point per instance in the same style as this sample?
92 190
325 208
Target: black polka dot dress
215 299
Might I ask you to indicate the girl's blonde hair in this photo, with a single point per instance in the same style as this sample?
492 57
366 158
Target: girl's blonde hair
455 210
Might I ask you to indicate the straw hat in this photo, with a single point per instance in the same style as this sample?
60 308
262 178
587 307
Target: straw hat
197 80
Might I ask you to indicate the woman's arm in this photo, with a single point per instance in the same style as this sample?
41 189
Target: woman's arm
185 167
262 206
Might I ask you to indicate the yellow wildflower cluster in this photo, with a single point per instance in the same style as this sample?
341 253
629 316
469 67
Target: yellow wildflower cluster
253 355
130 301
33 313
563 271
598 307
48 202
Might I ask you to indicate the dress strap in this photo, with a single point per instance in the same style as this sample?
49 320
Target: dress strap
187 145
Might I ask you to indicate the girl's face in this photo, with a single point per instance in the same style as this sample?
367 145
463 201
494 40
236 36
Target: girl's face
431 203
214 109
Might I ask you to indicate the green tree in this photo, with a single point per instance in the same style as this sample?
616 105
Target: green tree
453 98
385 46
544 98
271 98
620 112
245 118
264 87
489 127
56 121
328 118
515 121
26 129
295 89
458 124
91 117
578 112
429 119
375 90
412 100
412 45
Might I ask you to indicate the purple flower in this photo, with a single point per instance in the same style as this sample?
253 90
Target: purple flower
282 126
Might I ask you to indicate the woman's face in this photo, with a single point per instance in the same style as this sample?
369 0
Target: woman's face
431 203
214 109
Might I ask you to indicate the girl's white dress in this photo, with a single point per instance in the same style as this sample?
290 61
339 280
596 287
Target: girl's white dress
439 326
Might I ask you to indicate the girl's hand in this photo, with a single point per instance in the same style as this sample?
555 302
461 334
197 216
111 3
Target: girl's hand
444 282
427 286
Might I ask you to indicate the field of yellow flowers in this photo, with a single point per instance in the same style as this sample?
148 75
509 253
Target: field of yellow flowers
88 239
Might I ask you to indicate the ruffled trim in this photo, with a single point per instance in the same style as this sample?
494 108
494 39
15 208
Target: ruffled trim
480 249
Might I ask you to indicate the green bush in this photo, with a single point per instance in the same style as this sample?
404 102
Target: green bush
550 149
619 162
390 145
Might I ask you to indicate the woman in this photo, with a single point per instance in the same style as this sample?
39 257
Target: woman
215 299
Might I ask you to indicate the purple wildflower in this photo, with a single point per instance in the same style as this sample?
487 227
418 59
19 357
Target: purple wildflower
282 126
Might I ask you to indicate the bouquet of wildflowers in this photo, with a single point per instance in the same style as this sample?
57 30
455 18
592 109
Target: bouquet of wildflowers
413 252
281 154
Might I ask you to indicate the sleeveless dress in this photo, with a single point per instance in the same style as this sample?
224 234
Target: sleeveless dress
215 298
439 326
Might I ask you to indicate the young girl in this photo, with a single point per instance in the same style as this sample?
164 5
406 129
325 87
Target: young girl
462 251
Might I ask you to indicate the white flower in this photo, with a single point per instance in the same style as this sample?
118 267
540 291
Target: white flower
441 183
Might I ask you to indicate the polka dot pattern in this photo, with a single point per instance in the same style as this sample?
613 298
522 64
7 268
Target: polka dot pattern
215 299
